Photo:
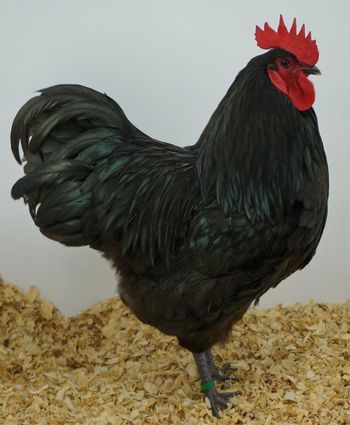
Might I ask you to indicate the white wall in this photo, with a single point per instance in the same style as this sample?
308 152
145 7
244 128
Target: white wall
167 63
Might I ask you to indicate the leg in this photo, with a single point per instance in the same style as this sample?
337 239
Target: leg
218 401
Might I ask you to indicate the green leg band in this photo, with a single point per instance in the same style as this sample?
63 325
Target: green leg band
208 385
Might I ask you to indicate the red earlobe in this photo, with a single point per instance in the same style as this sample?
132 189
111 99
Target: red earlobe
277 81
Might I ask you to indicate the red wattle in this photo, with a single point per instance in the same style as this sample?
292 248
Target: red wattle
301 92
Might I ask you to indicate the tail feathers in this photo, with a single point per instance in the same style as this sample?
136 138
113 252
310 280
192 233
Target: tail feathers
50 174
89 146
67 133
46 122
59 196
63 133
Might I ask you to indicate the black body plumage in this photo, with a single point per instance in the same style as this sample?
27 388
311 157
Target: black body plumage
198 233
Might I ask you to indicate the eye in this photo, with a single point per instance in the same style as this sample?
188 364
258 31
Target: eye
285 62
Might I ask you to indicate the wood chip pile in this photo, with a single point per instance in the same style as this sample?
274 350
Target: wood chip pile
104 367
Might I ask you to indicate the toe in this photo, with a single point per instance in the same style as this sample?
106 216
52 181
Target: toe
218 401
231 394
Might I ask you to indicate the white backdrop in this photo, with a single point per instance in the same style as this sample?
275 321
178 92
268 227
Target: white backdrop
168 64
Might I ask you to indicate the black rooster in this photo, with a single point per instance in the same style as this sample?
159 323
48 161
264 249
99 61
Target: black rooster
197 233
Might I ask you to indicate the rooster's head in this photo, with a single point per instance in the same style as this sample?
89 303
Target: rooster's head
295 59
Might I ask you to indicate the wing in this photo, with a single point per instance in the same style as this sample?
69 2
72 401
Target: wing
145 199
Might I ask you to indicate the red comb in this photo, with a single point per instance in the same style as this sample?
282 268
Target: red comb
303 47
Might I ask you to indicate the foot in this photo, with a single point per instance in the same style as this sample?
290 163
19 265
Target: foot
218 401
209 373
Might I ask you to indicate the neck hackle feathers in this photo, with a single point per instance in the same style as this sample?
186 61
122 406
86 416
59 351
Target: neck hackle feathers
303 47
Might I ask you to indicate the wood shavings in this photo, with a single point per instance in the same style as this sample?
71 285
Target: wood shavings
104 367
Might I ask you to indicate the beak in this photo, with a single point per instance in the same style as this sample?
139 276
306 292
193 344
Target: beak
311 70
